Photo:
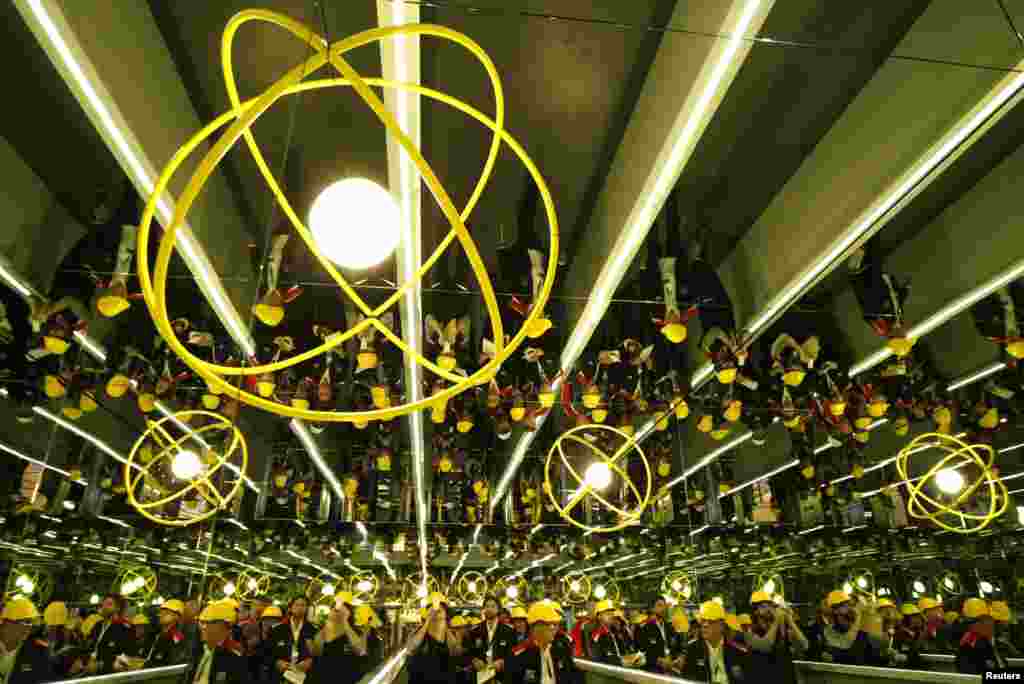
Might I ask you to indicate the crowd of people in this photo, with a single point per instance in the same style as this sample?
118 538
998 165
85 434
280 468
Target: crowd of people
513 643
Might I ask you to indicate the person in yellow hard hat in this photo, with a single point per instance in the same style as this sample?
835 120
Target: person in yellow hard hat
339 647
608 645
434 647
542 658
713 658
936 634
110 637
843 640
977 652
65 654
908 641
220 659
775 639
517 614
248 629
167 646
490 643
369 623
653 638
1001 614
289 642
23 660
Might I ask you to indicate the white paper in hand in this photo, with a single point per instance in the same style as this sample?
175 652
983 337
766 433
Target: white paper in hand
295 676
485 675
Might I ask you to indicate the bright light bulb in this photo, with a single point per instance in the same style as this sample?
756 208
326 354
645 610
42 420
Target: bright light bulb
719 600
598 475
421 592
127 588
919 586
94 599
22 581
252 585
355 222
986 587
600 592
949 583
229 589
512 592
769 587
186 465
847 588
28 587
949 481
575 585
327 590
862 582
472 587
366 585
69 505
1020 515
677 585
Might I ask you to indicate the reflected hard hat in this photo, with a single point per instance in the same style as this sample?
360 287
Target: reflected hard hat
951 616
543 611
19 609
219 611
711 610
744 619
56 614
680 622
174 606
458 621
910 609
1000 611
271 612
344 597
519 613
365 616
976 608
604 606
885 603
760 597
927 603
733 622
836 597
90 622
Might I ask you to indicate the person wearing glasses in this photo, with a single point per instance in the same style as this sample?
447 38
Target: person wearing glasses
541 658
220 660
22 660
712 658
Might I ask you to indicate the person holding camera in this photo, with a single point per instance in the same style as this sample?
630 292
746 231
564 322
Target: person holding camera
774 639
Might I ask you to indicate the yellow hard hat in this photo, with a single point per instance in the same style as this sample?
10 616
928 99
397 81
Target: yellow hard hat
878 408
365 616
219 611
18 609
174 606
900 346
56 614
344 597
519 613
271 612
639 618
727 376
543 611
760 597
458 621
711 610
680 622
1000 611
927 603
733 622
474 621
1016 349
910 609
794 378
674 332
140 619
603 606
951 616
90 622
745 619
976 608
836 597
990 419
884 602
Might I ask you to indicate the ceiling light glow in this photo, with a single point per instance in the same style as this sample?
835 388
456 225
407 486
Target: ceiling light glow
356 223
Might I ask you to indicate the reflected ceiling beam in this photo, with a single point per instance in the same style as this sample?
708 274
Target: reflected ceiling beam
975 376
8 449
687 81
947 312
400 61
73 53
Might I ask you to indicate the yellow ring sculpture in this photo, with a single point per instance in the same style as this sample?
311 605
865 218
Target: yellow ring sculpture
627 516
922 506
136 475
140 579
252 584
241 119
576 588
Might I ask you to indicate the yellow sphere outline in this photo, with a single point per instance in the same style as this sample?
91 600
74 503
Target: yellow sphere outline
356 578
244 115
242 590
967 453
462 588
197 484
629 517
143 572
576 597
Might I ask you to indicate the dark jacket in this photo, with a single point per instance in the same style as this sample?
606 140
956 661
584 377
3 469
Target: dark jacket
653 643
166 648
698 665
524 664
228 666
111 640
910 646
773 662
32 664
280 646
607 646
432 663
338 664
976 655
834 647
505 638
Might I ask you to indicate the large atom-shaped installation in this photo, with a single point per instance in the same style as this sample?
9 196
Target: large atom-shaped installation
590 444
955 510
190 477
239 121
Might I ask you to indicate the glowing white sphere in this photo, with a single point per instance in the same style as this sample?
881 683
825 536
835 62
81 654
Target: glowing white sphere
719 600
677 585
769 587
186 465
229 589
327 590
919 586
574 585
862 582
600 592
252 585
949 480
847 587
356 223
986 587
472 586
512 592
94 599
598 475
421 592
364 585
949 583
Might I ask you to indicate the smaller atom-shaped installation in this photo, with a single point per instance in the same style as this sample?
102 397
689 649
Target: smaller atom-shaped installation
589 446
190 476
956 507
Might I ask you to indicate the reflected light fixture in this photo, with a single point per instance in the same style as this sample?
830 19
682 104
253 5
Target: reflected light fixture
229 589
366 585
356 223
600 592
598 475
186 465
949 480
512 592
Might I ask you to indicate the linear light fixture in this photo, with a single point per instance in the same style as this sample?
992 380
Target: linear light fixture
54 33
717 73
400 61
87 436
700 529
114 521
94 348
761 478
811 529
309 444
975 376
35 461
950 310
